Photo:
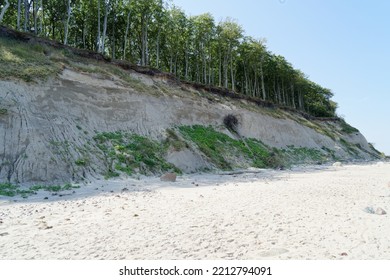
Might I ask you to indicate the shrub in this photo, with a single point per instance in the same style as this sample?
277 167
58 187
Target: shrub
231 122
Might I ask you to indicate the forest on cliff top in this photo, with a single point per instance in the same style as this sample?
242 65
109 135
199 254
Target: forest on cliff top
158 34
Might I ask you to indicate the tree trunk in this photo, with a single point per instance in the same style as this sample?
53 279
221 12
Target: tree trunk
158 48
284 94
210 70
278 93
225 70
245 90
204 67
113 43
220 69
186 62
143 41
98 45
67 24
41 18
262 80
175 69
126 34
292 96
232 70
104 27
84 34
171 63
26 15
255 86
3 10
35 8
18 15
300 103
146 46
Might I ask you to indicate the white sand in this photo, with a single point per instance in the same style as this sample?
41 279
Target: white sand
301 214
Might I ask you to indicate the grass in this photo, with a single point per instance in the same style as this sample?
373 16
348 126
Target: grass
346 128
228 153
81 162
11 190
303 155
34 62
26 62
375 150
174 141
108 70
351 149
331 154
131 153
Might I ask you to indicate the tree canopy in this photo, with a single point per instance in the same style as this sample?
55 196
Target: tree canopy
158 34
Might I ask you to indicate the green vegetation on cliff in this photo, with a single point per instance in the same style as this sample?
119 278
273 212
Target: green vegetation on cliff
131 153
228 153
23 61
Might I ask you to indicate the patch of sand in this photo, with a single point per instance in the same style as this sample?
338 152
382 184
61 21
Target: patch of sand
300 214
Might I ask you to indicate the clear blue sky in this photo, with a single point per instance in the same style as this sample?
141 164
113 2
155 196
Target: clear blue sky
341 45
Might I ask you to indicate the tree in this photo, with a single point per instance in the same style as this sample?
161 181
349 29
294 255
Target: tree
3 10
252 57
106 3
204 32
69 9
125 39
158 34
230 34
18 17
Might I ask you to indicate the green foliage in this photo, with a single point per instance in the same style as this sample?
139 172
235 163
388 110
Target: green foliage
212 143
131 153
11 190
262 155
7 189
159 34
224 151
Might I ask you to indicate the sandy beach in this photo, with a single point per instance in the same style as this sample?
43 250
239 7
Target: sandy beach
304 213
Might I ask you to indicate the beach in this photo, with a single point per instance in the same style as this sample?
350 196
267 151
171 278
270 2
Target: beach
307 213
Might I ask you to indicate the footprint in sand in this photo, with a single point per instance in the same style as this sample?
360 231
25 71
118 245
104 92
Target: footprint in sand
274 252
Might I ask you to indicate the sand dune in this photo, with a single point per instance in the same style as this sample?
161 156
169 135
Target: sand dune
300 214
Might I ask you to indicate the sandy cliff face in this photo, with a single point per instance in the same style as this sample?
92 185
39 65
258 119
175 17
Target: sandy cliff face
49 125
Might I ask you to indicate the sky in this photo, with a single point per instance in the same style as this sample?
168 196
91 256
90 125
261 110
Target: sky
341 45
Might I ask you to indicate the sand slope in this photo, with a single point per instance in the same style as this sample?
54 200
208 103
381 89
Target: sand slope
301 214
